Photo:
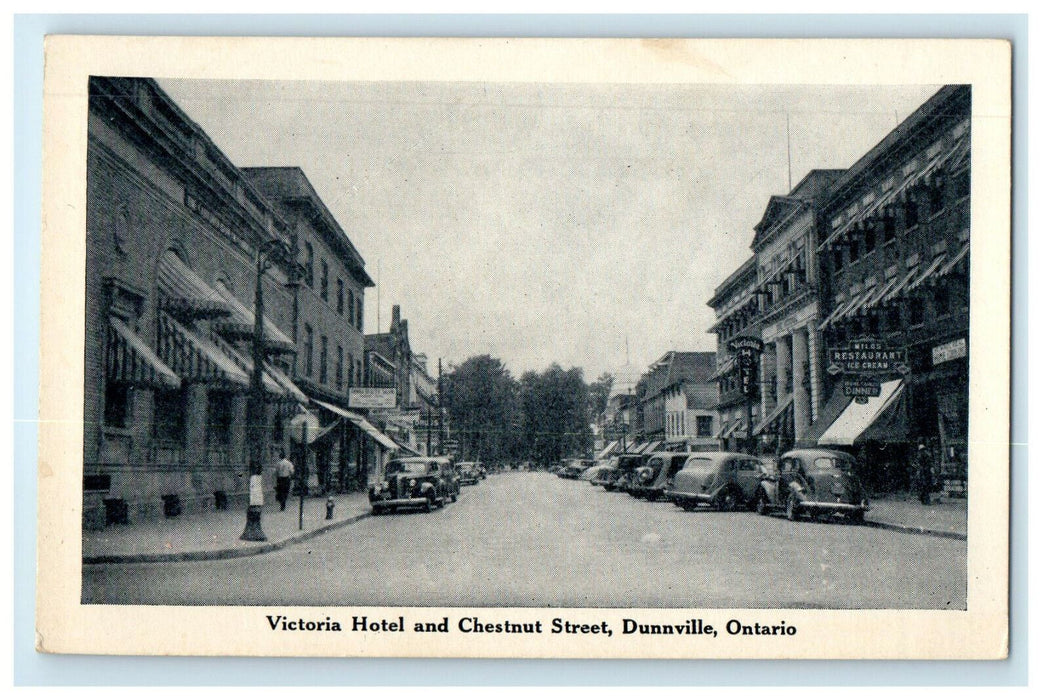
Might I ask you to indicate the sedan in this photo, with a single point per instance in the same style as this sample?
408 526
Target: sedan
722 480
814 482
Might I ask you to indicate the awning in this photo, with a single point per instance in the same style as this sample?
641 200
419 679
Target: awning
894 193
724 369
358 420
247 364
290 388
131 361
832 317
828 413
242 324
652 447
884 289
857 418
185 293
404 448
948 266
929 271
729 428
193 358
770 419
609 449
901 286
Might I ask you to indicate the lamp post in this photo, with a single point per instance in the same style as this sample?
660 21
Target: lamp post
256 418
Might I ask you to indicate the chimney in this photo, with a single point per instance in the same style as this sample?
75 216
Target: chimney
395 321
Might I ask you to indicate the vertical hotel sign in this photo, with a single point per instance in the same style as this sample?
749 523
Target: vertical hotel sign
748 353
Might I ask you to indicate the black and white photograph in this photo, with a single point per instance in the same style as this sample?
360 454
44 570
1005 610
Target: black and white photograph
619 360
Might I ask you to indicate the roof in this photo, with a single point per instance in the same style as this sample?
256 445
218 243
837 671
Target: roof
677 366
291 187
747 272
779 208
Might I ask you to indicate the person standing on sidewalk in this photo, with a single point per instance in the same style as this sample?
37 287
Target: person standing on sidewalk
285 469
922 470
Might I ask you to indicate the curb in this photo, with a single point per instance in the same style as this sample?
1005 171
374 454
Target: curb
218 554
914 530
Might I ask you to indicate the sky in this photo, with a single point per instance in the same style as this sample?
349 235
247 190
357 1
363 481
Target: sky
582 224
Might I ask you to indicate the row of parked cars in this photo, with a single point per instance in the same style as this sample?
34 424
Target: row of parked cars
422 483
803 482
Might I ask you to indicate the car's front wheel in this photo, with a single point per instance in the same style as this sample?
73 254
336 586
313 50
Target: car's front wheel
761 503
726 500
856 517
793 508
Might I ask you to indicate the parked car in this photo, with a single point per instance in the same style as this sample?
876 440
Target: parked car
814 482
603 474
588 474
625 465
469 472
573 468
422 483
722 480
650 480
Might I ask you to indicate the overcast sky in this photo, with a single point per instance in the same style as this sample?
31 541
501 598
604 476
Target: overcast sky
546 223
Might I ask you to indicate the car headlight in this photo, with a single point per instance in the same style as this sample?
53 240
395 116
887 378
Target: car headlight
411 484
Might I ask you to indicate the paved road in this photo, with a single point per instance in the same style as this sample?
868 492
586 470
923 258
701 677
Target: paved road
533 540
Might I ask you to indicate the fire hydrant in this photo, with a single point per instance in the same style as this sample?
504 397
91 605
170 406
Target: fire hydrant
329 508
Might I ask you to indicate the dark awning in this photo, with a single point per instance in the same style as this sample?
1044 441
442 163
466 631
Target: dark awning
241 324
193 358
269 382
730 427
130 360
184 293
362 423
770 420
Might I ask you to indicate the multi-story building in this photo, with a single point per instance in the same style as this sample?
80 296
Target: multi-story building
737 313
675 397
326 324
894 248
617 422
173 231
791 365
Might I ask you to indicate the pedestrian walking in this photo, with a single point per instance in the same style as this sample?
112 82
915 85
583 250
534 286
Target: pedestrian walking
284 471
922 471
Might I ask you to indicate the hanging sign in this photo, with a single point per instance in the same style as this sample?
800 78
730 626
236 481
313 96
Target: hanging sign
861 387
748 351
372 397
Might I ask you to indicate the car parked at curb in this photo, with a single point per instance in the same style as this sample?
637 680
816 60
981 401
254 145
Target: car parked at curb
814 482
650 481
420 483
469 472
625 465
722 480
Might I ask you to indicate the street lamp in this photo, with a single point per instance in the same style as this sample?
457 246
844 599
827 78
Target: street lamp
256 417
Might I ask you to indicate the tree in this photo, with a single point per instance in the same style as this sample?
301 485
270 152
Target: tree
555 414
482 401
599 391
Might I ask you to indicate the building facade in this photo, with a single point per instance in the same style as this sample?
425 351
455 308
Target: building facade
676 398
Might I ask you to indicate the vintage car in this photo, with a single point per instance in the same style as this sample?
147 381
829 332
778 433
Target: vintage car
603 474
422 483
722 480
469 472
626 465
573 468
650 480
813 482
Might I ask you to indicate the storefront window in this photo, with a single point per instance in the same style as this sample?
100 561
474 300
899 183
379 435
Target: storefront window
220 417
307 350
704 426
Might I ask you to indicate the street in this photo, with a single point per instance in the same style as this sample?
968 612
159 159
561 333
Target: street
522 539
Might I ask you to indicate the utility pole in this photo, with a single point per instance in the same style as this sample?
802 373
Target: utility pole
256 414
440 407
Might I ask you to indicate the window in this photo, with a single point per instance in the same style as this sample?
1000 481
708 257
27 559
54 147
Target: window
704 426
169 415
307 351
870 240
353 311
340 302
118 405
338 367
360 313
220 417
324 359
854 248
278 428
936 200
910 215
309 264
941 300
324 280
917 312
838 258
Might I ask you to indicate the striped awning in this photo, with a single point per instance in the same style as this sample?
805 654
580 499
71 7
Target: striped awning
901 286
246 364
194 358
362 423
730 427
241 324
130 360
928 273
953 263
184 293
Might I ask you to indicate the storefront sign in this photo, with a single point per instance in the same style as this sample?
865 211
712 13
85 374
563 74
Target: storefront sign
866 357
949 351
861 387
369 397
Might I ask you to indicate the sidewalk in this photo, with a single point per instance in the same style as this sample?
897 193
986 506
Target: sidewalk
944 517
216 534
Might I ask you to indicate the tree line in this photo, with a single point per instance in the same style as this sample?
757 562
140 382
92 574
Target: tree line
540 417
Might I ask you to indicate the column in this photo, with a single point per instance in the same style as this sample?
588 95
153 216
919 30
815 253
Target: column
802 403
815 368
782 365
238 438
196 424
767 360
